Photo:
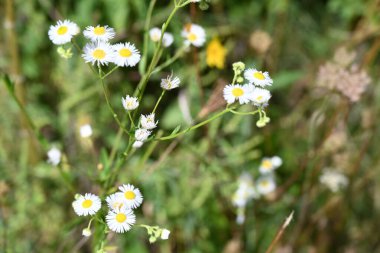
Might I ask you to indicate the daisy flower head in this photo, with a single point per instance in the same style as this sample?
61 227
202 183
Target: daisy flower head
85 205
170 82
167 39
54 156
260 97
194 35
130 103
155 34
116 201
258 78
147 121
62 32
126 54
98 52
120 220
268 165
99 33
236 92
142 134
131 195
266 184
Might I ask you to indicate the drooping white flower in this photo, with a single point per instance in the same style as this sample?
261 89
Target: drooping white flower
62 32
132 195
86 232
99 33
142 134
165 234
155 34
88 204
333 179
98 52
116 201
266 184
54 156
167 39
120 220
147 121
130 103
268 165
260 97
170 82
126 54
194 35
85 131
258 78
236 92
137 144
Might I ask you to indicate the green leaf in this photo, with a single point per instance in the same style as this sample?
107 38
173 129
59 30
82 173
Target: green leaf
176 130
10 85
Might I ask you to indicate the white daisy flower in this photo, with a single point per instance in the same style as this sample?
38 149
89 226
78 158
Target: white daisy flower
54 156
98 52
170 82
245 192
62 32
130 103
121 220
85 131
165 234
126 54
334 180
132 195
116 201
194 35
260 97
142 134
236 92
99 33
155 34
147 121
258 78
167 39
88 204
137 144
268 165
266 184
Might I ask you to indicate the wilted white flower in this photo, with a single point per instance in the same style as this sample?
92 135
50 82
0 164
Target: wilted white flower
54 156
258 78
236 92
194 35
165 234
120 220
334 180
99 33
268 165
142 134
130 103
132 195
170 82
62 32
126 54
98 52
85 131
147 121
85 205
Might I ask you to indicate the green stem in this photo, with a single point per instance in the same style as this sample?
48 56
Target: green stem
110 72
80 51
158 101
177 55
245 113
130 118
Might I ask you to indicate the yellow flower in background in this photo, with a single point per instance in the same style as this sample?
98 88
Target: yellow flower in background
216 54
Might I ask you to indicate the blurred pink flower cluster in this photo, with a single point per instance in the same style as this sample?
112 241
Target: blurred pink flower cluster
343 75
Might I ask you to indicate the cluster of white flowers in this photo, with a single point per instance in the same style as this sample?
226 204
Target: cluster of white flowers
248 189
334 180
120 217
155 36
98 51
253 91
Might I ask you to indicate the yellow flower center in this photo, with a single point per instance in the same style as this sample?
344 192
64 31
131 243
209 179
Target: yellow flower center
264 183
117 205
129 195
99 54
259 98
125 52
100 30
87 203
258 75
120 217
237 92
62 30
266 163
192 37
